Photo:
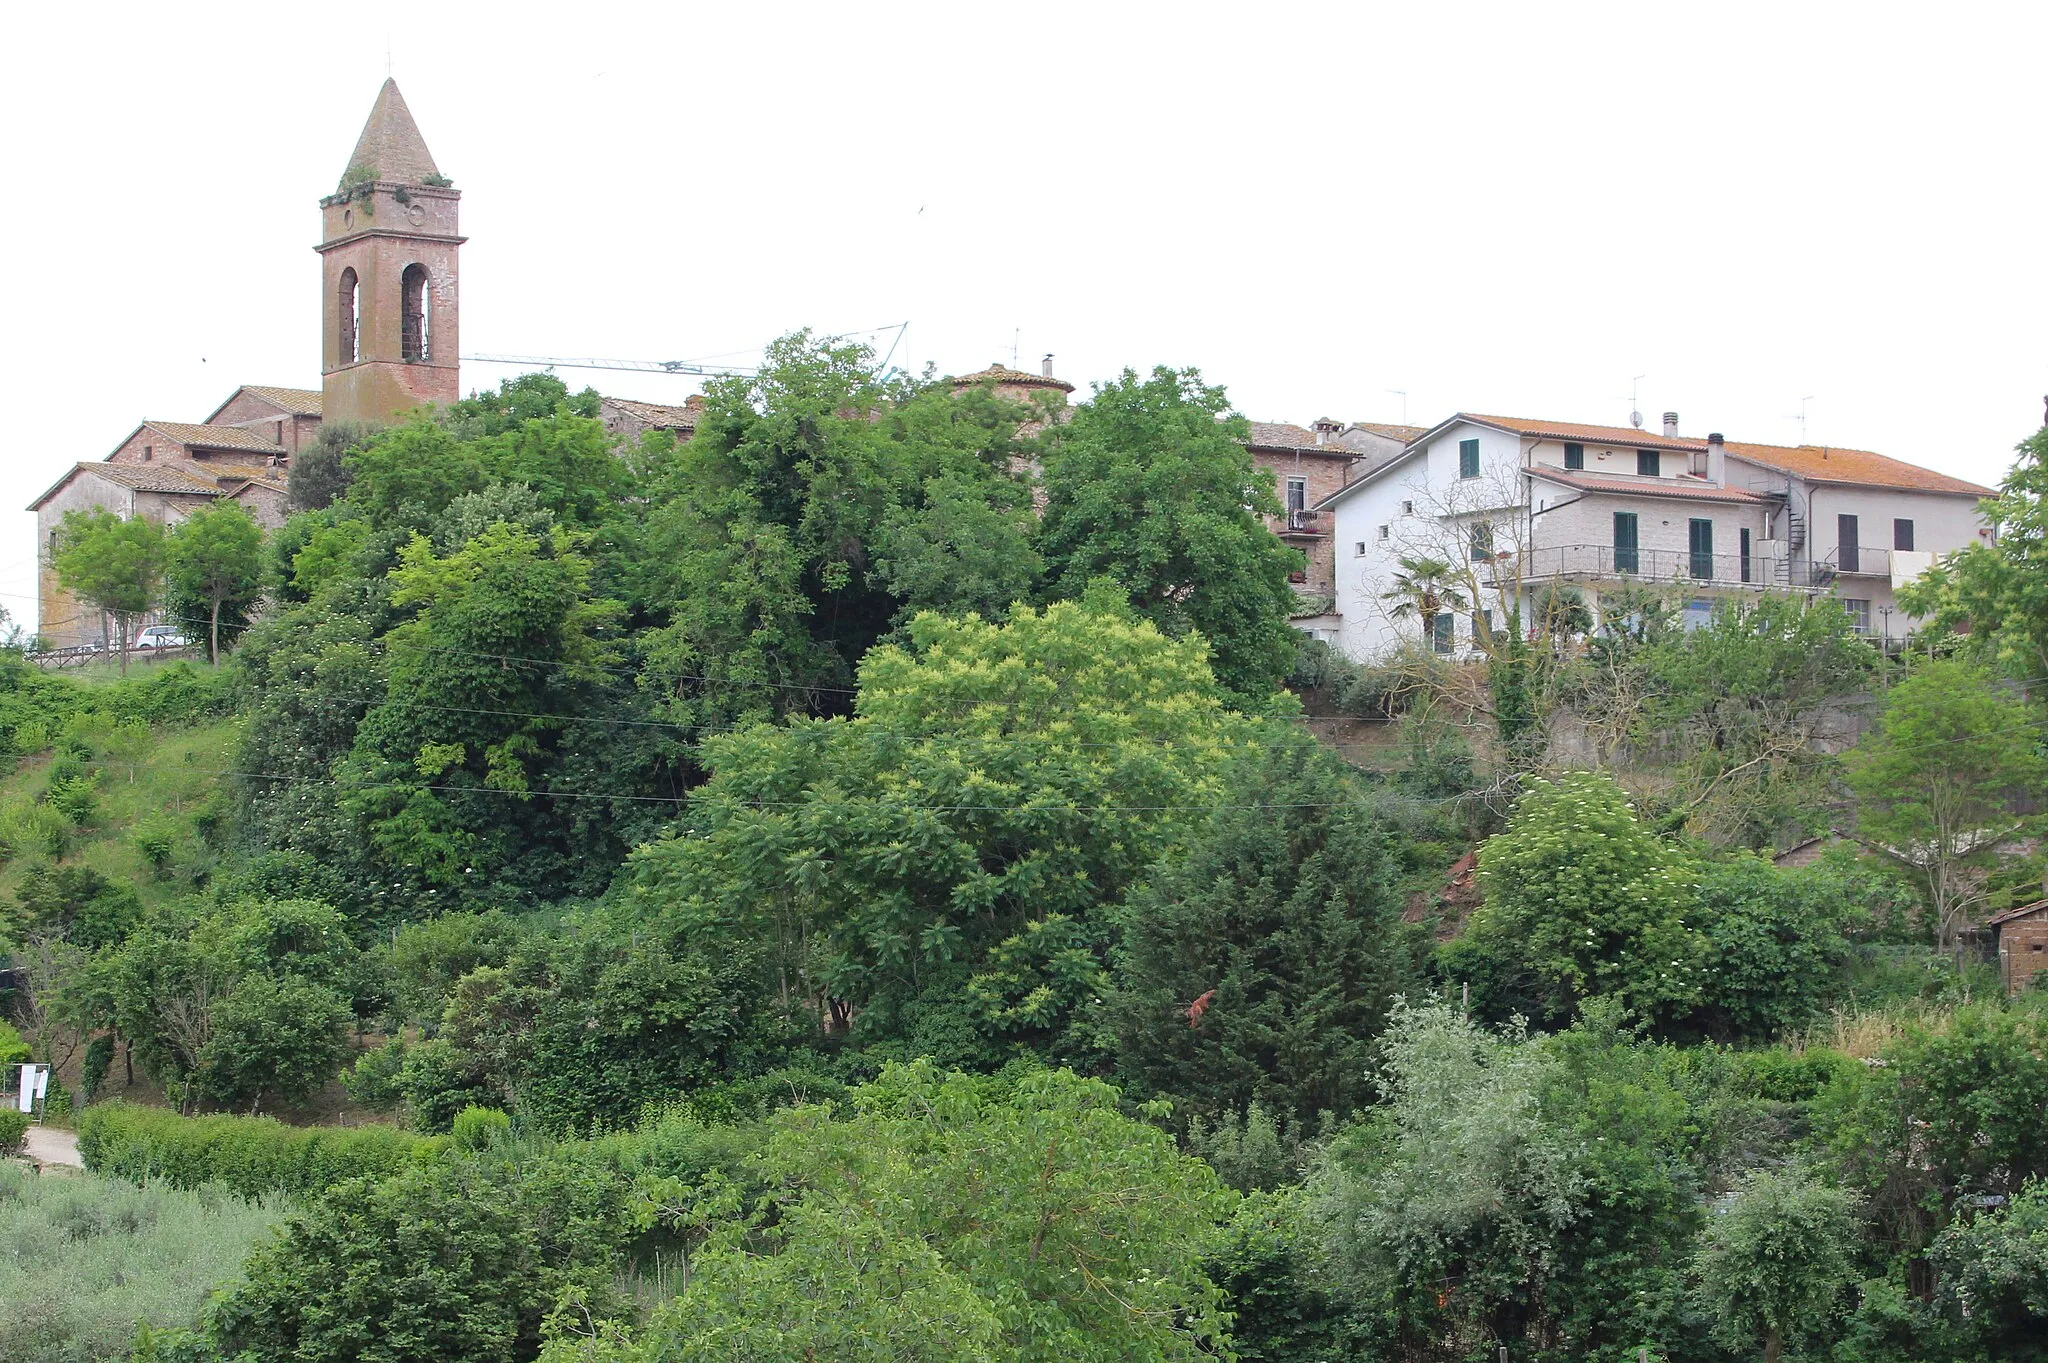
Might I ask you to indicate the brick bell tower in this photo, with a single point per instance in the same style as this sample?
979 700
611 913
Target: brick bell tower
388 249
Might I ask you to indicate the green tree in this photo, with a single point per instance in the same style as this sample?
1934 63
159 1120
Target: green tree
237 1001
813 505
509 645
215 558
407 474
994 777
1952 1115
1775 1262
1283 919
1775 941
1939 777
1580 900
1458 1175
1150 484
112 562
319 472
1993 595
275 1039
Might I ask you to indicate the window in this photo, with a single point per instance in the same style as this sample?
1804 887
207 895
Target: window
1468 458
1386 530
1859 614
1626 560
348 305
148 453
1407 508
1744 548
1359 551
1574 456
1482 627
1297 494
1482 541
1902 534
1649 464
1700 546
1440 628
1849 554
415 339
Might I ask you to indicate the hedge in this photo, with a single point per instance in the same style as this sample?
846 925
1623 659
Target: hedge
253 1156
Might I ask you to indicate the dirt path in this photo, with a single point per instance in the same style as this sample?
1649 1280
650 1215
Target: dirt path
53 1145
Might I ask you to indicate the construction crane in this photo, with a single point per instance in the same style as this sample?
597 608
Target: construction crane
882 370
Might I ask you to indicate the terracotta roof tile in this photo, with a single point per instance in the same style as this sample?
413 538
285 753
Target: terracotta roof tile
1626 436
215 437
661 415
1282 435
2019 912
297 401
1019 378
1391 430
167 476
1689 489
1827 464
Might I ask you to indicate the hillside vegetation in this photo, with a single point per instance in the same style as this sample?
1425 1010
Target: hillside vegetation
863 884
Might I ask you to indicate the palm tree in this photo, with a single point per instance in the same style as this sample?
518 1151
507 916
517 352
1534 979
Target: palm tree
1423 590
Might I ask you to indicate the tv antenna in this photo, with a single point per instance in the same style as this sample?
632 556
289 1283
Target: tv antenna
1013 346
1635 410
1802 417
1402 393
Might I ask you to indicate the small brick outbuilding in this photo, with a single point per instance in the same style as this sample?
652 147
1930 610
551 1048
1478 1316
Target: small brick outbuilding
2022 936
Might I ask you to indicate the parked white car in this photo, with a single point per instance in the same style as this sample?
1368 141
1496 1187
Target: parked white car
161 636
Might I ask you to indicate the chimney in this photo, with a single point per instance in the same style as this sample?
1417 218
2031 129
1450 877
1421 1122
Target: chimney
1717 459
1671 425
1046 368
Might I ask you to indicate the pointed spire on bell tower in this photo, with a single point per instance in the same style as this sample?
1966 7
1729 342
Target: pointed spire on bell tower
391 147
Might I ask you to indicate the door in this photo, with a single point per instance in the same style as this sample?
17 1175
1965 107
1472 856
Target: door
1700 541
1625 557
1744 547
1849 555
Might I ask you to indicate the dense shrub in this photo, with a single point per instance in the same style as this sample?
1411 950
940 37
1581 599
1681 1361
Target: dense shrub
253 1156
13 1131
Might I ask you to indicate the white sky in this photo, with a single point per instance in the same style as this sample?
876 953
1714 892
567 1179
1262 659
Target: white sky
1498 208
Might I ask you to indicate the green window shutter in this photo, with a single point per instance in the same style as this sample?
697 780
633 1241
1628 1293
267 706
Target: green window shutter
1468 458
1574 456
1626 559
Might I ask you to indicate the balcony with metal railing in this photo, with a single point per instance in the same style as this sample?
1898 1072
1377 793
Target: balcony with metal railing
1607 563
1301 524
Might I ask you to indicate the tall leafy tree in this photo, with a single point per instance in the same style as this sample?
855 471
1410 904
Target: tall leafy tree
1581 899
1150 484
114 563
1940 777
1259 967
214 559
943 863
1774 1263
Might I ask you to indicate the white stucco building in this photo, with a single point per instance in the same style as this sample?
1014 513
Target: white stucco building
1516 505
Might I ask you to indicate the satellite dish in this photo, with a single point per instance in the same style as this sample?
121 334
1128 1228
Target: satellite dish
1635 419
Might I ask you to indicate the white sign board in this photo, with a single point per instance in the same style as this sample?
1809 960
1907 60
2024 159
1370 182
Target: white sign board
35 1082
